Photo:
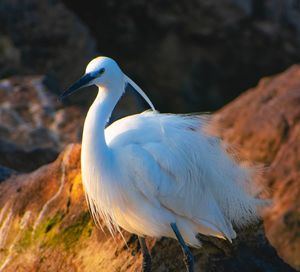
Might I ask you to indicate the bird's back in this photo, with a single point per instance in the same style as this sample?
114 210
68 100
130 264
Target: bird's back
176 164
151 126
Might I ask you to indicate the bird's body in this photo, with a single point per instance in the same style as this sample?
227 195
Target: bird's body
147 171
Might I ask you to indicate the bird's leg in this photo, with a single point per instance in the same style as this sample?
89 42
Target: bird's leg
188 256
146 255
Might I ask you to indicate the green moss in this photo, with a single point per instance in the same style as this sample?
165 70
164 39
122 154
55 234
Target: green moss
26 239
71 234
53 221
50 232
46 229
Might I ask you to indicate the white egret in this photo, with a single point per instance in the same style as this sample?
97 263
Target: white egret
156 174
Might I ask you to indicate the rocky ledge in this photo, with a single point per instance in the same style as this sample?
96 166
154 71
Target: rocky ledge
45 224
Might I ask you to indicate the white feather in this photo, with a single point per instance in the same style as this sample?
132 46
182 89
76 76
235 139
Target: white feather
146 171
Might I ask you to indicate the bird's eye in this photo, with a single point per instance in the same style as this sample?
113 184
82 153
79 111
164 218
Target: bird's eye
101 71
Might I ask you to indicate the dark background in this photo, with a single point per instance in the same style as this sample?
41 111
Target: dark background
187 55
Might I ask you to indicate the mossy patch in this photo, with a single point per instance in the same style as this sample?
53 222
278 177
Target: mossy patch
30 236
25 240
71 234
45 227
50 232
53 221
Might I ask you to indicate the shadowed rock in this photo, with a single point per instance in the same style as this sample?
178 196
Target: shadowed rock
42 37
5 172
195 55
33 125
13 156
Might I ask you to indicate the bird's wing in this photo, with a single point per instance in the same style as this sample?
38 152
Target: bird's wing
165 157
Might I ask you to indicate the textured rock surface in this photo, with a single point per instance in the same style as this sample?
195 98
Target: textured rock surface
265 123
45 224
195 55
33 125
42 37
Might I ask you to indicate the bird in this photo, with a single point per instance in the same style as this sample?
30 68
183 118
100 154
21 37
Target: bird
158 174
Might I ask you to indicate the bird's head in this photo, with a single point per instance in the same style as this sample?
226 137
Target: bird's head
100 71
104 72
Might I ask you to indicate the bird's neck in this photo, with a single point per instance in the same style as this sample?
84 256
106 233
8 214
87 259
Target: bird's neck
97 117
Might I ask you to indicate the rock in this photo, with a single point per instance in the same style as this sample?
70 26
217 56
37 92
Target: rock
5 173
195 55
34 126
45 223
13 156
42 37
264 122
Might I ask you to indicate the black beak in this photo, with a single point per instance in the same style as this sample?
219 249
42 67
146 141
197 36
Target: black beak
80 83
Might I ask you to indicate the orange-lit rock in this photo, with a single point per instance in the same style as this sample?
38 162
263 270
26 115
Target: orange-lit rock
45 224
265 123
